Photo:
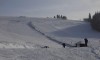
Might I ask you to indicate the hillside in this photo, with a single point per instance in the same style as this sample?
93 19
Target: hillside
24 38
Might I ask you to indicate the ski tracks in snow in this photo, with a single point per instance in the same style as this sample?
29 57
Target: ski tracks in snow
96 52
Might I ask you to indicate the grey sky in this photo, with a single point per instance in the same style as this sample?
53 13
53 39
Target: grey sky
73 9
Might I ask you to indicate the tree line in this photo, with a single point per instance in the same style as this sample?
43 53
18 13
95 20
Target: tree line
94 21
60 17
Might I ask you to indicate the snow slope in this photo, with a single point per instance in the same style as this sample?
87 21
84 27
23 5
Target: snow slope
16 30
68 31
24 38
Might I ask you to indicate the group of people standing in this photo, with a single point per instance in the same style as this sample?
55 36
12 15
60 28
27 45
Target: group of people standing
79 44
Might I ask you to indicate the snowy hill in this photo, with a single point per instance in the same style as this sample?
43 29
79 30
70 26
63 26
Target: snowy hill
24 38
68 31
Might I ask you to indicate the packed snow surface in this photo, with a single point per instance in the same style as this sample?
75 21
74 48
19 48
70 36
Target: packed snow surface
25 38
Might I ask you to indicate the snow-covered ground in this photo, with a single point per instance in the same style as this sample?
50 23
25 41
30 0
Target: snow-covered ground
24 38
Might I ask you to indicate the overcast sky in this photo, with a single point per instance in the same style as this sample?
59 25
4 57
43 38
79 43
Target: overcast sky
73 9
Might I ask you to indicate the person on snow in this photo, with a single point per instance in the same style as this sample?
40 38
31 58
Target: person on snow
79 44
63 44
86 41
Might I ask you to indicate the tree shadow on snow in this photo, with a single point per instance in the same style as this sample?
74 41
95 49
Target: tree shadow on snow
78 31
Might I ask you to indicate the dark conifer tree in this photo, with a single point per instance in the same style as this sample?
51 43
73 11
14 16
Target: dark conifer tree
54 17
57 16
64 17
61 16
95 22
90 17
